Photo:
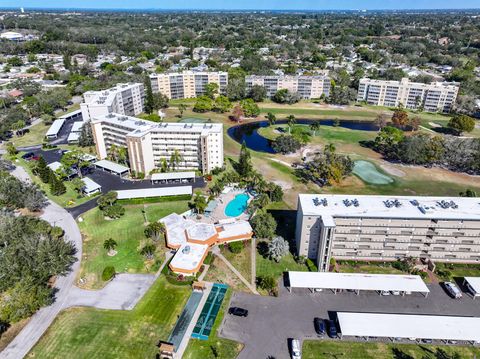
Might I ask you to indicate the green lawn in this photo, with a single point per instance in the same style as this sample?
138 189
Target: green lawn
351 350
70 198
372 268
128 232
224 348
103 334
34 137
449 271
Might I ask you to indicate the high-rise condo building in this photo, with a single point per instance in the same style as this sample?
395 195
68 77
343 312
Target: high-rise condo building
197 146
387 228
187 84
123 99
307 87
433 97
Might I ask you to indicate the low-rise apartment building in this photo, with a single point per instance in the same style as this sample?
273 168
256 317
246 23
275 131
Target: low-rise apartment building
307 87
387 228
433 97
187 84
200 145
124 99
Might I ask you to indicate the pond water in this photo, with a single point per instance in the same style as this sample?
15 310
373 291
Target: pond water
237 206
369 173
248 132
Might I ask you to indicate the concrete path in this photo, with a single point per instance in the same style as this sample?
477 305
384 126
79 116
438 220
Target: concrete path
122 293
186 338
236 272
40 321
253 260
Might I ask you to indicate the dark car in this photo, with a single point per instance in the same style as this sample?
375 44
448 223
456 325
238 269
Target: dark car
28 156
320 326
332 329
239 312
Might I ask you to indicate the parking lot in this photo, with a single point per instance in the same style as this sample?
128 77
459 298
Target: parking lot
110 182
271 321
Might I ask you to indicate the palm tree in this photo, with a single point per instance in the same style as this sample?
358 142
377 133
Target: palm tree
175 159
181 108
314 127
109 245
148 250
154 230
271 118
199 203
330 148
291 121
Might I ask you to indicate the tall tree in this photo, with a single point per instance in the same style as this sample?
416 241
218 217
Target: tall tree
271 118
291 121
149 101
314 127
244 167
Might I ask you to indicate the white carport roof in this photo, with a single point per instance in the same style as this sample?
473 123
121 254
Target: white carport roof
475 284
112 166
358 281
409 326
55 127
154 192
90 185
172 176
54 166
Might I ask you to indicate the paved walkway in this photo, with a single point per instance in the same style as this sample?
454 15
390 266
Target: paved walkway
253 260
235 271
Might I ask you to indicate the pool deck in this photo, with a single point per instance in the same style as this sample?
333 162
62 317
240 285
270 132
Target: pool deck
219 213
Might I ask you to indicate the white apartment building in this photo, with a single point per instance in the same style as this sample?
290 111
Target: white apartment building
187 84
200 145
385 228
125 99
434 97
307 87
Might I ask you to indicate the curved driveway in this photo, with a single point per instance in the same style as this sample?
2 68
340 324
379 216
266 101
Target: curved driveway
40 321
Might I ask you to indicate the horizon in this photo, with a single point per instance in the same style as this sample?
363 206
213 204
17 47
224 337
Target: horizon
244 5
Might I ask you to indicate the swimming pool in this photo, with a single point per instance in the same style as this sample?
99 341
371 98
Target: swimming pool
237 206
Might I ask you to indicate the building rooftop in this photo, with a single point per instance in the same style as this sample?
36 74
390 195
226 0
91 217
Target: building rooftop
474 283
189 256
409 326
172 176
90 185
406 81
55 127
358 281
409 207
106 97
202 232
235 229
140 127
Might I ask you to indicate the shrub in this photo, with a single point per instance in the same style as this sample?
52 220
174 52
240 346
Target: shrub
115 211
108 273
235 247
267 283
286 144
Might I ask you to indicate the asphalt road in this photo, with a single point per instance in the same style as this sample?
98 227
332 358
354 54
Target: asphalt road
272 321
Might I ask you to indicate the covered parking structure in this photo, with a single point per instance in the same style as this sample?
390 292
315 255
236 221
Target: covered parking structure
112 167
409 326
154 192
55 128
405 284
173 177
91 187
473 285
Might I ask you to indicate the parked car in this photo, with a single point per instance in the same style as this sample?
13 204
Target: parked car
395 292
239 312
296 349
28 156
427 341
320 326
453 290
332 329
385 292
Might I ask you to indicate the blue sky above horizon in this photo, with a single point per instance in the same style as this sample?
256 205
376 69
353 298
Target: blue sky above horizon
245 4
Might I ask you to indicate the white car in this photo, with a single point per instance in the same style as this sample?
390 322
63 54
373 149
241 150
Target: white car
453 290
296 349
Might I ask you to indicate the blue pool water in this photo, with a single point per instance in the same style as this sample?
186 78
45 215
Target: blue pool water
237 206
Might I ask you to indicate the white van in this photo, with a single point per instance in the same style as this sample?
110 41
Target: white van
296 349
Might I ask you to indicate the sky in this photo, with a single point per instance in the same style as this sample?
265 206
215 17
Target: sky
246 4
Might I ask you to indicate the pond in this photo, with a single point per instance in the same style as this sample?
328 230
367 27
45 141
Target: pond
248 132
369 173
